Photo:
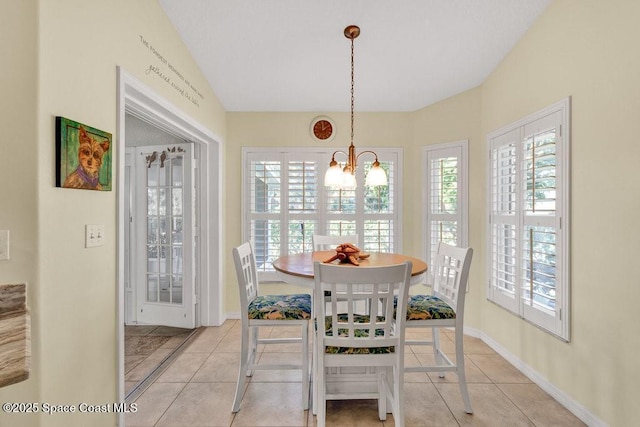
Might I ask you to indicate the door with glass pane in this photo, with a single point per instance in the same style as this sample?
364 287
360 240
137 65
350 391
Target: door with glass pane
164 224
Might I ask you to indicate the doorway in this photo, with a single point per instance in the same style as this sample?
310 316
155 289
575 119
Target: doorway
137 101
161 256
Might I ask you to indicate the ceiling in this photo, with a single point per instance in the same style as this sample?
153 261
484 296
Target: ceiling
292 55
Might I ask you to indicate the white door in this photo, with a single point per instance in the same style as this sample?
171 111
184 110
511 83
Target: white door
164 223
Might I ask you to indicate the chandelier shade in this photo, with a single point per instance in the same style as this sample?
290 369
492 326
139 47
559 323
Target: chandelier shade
376 175
333 175
345 177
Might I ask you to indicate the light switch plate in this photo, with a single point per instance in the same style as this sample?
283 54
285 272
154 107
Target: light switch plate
4 245
94 235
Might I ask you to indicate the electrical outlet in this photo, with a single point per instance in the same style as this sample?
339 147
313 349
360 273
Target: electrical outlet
94 236
4 244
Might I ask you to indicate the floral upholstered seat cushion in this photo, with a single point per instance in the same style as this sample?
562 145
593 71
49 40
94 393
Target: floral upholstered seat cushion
281 307
425 307
358 318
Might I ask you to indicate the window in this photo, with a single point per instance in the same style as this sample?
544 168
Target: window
528 219
285 202
445 194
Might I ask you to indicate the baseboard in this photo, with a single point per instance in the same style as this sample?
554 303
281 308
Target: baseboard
232 316
563 398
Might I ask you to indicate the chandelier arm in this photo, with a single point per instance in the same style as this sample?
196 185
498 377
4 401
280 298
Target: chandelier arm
367 151
333 156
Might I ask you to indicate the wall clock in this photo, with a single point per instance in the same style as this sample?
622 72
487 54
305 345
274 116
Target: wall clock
322 128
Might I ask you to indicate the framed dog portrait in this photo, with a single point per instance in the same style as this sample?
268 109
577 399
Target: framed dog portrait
83 156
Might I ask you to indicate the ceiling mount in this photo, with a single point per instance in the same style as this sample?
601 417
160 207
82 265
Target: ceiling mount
352 31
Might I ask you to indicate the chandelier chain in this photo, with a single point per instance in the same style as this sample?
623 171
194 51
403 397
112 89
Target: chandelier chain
352 85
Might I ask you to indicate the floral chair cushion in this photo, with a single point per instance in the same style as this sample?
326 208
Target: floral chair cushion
281 307
358 318
425 307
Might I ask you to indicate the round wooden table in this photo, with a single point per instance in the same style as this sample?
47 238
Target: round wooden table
297 269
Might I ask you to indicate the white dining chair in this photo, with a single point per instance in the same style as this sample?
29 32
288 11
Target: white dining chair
444 309
323 242
372 342
268 311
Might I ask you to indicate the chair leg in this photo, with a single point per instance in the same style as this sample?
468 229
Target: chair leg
305 366
243 369
315 375
254 337
382 393
321 389
435 335
398 395
462 379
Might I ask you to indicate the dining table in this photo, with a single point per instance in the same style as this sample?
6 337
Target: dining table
297 269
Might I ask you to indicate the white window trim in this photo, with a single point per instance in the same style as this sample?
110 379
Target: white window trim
463 193
324 154
560 327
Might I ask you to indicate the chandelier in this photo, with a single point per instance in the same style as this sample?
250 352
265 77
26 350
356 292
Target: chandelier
345 177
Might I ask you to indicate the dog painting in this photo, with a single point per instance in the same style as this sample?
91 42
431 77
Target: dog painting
83 156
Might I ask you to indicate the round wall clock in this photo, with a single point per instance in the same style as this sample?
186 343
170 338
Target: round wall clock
323 128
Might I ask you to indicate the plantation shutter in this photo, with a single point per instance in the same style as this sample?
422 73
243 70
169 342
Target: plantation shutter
370 212
529 193
340 211
379 210
445 196
264 201
302 201
285 202
541 220
503 219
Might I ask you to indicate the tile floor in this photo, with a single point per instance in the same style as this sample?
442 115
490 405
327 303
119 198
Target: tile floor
197 389
145 347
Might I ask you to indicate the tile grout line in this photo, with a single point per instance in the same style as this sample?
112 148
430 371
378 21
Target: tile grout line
438 391
170 404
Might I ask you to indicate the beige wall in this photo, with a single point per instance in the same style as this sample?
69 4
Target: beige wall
18 169
454 119
586 50
67 57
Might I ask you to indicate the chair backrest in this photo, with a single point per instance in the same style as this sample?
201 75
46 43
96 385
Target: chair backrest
322 242
377 286
450 275
247 273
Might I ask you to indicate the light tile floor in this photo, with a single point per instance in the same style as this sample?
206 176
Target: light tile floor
197 389
146 346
